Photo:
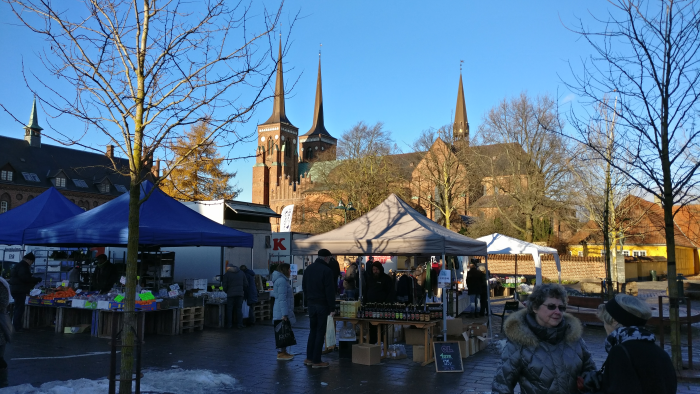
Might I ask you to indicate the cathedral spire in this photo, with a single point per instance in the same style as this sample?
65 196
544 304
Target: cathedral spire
460 128
278 113
34 119
318 126
32 131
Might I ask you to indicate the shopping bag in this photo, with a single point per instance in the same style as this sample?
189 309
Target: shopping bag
245 309
330 332
284 336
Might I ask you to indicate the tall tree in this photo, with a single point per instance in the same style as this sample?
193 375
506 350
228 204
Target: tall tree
143 69
647 54
532 167
198 174
443 177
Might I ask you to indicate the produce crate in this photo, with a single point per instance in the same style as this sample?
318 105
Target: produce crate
146 307
63 302
48 302
262 310
116 306
191 319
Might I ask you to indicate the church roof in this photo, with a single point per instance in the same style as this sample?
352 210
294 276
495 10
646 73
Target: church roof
278 112
318 127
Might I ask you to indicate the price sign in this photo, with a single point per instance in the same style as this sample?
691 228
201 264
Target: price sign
293 269
78 291
444 279
175 287
173 293
122 280
221 288
448 357
147 296
119 298
64 283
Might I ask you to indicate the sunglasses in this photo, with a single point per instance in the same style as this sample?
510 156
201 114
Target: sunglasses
551 307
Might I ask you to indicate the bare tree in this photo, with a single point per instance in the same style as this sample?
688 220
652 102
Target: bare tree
532 167
444 178
144 69
647 55
365 173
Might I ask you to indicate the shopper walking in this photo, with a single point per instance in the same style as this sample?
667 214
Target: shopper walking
474 284
544 351
251 295
284 304
21 283
319 290
235 286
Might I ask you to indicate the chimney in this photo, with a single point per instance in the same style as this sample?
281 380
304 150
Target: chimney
155 170
657 200
110 151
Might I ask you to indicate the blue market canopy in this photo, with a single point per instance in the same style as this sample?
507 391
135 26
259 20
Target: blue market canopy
163 222
47 208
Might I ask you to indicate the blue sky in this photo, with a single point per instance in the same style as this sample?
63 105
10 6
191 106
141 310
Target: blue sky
391 61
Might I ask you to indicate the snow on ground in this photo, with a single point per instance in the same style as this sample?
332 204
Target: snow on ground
174 381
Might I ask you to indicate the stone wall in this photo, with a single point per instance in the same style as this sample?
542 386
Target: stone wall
571 267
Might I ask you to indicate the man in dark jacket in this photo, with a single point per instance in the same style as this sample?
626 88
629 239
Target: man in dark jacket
378 287
106 274
21 283
252 294
474 284
235 284
350 281
319 291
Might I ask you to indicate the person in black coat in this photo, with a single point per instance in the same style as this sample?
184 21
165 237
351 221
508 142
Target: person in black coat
106 274
319 291
21 283
378 287
635 364
474 284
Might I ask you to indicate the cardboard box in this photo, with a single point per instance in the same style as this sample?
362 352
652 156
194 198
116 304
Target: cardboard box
482 343
366 354
77 329
418 353
463 348
454 327
78 303
414 336
477 330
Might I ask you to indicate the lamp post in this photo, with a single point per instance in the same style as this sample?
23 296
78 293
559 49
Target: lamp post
345 209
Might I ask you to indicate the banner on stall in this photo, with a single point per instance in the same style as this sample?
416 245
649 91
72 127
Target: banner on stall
286 219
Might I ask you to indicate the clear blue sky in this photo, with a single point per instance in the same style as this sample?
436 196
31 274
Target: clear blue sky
391 61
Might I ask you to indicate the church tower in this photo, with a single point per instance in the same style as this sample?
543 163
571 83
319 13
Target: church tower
276 160
317 143
460 129
32 131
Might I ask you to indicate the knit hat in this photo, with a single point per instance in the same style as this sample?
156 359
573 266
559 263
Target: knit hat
29 256
622 316
324 253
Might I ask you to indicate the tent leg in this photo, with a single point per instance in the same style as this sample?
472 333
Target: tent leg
444 304
488 296
515 296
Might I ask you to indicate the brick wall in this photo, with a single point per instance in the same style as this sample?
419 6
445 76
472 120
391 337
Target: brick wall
571 267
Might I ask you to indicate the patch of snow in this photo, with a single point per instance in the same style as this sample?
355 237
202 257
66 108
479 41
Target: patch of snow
171 381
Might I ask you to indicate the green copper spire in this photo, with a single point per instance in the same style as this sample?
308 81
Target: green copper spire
34 119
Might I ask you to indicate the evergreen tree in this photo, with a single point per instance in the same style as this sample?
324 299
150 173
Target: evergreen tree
199 176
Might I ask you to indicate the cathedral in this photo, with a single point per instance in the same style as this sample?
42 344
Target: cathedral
281 174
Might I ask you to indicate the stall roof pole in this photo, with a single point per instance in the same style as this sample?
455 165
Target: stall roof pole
444 304
488 295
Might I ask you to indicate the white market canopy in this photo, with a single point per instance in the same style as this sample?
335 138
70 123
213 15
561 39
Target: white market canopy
502 244
392 228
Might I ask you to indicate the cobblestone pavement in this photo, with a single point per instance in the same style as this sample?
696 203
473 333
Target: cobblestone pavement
248 355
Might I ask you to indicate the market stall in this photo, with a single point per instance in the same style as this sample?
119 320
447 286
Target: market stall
393 228
163 222
501 244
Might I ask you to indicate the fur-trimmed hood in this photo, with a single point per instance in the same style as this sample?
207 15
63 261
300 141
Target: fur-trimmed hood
518 331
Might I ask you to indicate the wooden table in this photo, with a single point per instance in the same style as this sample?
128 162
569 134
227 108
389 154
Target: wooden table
426 326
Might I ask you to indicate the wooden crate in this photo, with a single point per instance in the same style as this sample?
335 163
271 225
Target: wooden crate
191 319
37 316
215 315
262 310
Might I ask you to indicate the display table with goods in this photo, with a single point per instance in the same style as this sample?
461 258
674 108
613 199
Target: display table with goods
379 315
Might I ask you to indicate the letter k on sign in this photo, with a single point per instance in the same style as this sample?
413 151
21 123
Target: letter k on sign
277 244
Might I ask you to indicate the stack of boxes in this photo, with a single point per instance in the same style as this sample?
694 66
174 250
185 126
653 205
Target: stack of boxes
472 338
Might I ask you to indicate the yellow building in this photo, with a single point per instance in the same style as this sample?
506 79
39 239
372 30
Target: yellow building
644 236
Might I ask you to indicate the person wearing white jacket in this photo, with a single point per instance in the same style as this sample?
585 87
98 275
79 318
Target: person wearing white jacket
284 303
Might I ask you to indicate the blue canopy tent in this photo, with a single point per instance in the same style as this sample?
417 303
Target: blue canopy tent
47 208
163 222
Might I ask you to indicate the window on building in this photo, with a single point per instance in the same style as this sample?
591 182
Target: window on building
104 187
4 206
6 175
121 188
60 181
639 253
80 183
580 254
626 253
30 176
5 203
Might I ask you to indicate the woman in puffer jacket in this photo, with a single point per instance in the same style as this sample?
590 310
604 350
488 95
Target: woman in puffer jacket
544 351
284 303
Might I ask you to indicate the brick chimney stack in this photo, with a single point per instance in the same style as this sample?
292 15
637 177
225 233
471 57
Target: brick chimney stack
155 170
110 151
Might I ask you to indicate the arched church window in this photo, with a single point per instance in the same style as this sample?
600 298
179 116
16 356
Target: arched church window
5 203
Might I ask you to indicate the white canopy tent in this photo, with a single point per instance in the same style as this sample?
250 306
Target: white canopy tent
393 228
501 244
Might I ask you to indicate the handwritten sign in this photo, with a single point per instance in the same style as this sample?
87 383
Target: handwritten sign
292 269
122 280
147 296
173 293
119 298
448 357
175 287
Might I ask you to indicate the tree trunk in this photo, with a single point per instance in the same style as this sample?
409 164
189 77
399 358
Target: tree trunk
676 356
528 228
